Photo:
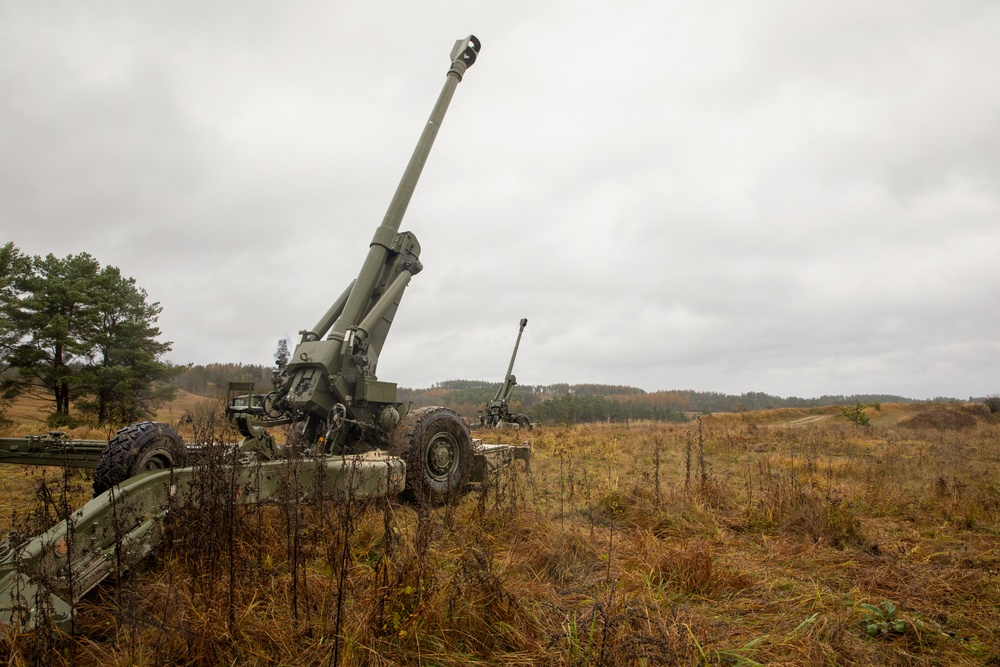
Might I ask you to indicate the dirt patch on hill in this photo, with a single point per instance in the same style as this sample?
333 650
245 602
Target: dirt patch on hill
948 417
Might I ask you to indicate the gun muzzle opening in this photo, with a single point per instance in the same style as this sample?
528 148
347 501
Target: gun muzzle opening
463 56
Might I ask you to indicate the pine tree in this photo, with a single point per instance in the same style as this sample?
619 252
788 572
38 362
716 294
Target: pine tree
125 379
54 322
79 332
13 268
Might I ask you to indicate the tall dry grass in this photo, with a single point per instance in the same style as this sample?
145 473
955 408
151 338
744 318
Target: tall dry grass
737 540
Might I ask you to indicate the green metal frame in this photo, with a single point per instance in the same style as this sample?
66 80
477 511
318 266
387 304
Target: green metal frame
47 575
52 449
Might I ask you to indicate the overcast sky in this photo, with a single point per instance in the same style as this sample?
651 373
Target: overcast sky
800 198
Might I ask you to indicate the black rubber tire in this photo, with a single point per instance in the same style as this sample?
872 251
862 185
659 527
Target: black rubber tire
523 422
437 448
137 448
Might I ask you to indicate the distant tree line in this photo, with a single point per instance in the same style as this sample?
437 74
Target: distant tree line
82 335
573 409
210 379
469 400
551 389
705 402
556 402
597 390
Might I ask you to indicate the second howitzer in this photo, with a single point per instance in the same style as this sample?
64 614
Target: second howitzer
498 410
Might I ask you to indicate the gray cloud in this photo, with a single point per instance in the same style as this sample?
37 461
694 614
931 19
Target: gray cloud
779 197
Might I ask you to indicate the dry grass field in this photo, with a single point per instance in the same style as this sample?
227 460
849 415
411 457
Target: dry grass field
787 537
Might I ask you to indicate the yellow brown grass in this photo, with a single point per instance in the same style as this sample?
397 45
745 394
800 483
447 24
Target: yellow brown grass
745 539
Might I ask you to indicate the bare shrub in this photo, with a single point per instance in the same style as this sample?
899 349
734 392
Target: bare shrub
207 423
692 568
780 501
567 557
619 630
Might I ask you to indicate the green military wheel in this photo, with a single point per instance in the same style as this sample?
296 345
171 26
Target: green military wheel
136 449
437 449
523 422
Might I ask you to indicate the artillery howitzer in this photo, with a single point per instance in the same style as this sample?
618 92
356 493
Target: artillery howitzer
497 413
352 436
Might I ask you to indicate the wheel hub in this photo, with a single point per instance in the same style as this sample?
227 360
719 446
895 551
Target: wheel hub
441 457
156 463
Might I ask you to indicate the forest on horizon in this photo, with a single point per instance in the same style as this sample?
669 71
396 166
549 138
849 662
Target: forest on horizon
554 403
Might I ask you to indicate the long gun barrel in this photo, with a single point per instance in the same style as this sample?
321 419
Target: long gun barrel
463 56
332 379
503 393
